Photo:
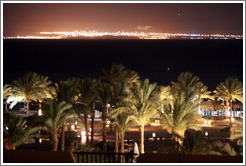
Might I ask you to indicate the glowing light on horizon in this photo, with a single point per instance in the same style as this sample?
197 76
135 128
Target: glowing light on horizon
139 35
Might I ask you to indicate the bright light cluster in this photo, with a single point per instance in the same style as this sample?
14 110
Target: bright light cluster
119 34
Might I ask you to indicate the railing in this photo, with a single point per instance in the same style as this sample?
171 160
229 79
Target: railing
100 157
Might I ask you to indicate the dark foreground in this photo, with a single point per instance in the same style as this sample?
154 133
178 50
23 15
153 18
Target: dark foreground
25 156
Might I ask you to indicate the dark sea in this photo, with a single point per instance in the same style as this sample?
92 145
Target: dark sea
159 60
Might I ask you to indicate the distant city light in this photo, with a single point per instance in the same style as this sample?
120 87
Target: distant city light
139 35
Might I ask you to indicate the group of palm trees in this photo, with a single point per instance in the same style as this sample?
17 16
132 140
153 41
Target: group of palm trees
132 102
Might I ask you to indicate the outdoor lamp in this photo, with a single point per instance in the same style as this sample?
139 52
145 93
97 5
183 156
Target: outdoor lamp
82 133
39 112
73 127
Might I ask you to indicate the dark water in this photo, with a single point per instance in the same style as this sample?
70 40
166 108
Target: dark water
212 60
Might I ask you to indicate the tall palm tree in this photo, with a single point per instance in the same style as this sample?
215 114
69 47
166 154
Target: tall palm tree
203 93
29 87
117 73
55 114
66 91
180 114
131 76
142 104
230 90
7 91
85 103
102 92
117 97
122 122
186 80
16 131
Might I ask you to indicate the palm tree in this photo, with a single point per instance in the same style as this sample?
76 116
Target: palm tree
28 88
131 76
117 73
6 93
203 93
117 96
16 131
66 91
102 92
122 122
194 143
142 105
85 103
186 80
55 114
230 90
180 114
189 81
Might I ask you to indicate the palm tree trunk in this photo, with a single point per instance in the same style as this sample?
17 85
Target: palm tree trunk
116 140
6 106
54 141
104 130
227 109
63 138
141 148
92 123
86 128
230 104
122 148
27 107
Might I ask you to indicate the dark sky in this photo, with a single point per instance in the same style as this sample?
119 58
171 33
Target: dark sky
21 19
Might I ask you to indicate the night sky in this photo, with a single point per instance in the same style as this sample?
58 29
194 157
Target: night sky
23 19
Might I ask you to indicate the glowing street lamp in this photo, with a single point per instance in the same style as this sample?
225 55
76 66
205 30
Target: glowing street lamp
73 127
83 137
228 113
108 105
107 123
39 112
83 133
